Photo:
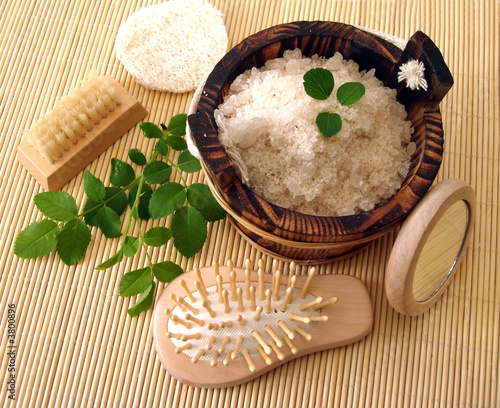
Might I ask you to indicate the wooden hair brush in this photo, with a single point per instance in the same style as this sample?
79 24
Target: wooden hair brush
222 326
80 127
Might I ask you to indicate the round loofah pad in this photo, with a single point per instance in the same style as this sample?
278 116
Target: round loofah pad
172 46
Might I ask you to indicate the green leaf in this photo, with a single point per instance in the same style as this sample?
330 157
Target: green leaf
162 148
329 124
130 246
143 208
350 92
150 130
73 241
167 199
90 209
135 282
116 258
201 198
176 142
166 271
157 172
122 174
318 83
157 236
118 204
57 205
109 222
94 188
145 301
188 163
177 125
37 239
137 157
189 230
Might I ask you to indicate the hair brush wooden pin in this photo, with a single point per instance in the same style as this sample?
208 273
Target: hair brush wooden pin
80 127
232 333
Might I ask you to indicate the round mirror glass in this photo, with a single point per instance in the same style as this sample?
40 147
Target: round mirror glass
441 251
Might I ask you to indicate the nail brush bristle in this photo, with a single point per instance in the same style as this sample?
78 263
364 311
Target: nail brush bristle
53 149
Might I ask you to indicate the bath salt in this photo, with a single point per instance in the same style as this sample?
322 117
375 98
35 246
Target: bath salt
267 126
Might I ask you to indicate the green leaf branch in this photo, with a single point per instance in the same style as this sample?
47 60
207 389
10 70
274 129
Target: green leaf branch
67 231
319 84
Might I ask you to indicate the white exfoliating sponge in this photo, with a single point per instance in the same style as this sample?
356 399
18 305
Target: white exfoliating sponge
172 46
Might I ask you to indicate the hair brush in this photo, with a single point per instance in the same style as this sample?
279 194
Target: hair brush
222 326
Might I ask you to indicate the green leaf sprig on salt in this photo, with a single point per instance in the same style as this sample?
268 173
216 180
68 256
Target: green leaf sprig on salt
190 206
319 84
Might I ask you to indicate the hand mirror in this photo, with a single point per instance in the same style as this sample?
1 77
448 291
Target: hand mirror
430 247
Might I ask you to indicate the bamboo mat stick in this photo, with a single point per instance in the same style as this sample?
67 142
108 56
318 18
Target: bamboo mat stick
376 293
447 347
406 360
321 370
359 351
457 305
415 352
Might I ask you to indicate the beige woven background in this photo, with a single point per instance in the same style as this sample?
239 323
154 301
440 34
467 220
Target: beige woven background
76 344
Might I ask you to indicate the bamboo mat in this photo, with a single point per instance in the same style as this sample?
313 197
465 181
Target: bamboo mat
76 345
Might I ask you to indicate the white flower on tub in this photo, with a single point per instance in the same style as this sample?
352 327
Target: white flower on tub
413 73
